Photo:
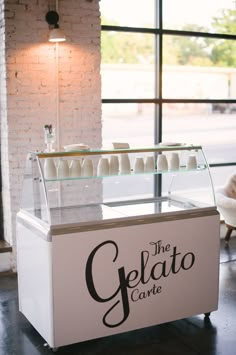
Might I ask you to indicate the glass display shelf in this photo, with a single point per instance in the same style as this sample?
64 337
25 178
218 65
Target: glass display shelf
181 170
156 148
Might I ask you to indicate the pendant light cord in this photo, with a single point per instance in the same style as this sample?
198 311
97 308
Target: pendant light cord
58 126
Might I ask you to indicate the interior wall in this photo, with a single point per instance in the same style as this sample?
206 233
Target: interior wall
46 83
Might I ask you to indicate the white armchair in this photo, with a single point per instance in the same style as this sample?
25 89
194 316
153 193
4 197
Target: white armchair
226 205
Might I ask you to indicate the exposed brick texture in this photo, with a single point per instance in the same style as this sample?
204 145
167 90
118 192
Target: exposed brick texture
45 83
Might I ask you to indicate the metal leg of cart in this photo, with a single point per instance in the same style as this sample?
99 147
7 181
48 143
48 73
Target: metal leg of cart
207 315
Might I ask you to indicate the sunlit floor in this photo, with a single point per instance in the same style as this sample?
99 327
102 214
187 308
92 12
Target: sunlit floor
183 337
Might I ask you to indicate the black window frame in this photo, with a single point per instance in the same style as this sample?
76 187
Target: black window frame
158 99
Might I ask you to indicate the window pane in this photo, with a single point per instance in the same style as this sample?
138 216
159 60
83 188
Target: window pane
205 66
221 174
127 65
197 124
215 16
132 13
131 123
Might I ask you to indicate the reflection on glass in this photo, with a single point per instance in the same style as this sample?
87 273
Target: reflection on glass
82 214
127 65
149 208
132 13
200 124
206 66
203 15
131 123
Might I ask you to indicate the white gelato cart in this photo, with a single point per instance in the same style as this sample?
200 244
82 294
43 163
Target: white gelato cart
105 254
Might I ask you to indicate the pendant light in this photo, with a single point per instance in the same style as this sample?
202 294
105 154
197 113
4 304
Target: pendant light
55 34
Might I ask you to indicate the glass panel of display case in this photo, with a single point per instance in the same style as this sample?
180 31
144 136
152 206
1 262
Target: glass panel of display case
146 181
33 197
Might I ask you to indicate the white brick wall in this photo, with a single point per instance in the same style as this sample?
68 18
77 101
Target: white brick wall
29 93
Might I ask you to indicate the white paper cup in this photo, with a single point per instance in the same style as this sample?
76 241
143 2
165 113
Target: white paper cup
124 164
191 162
149 165
162 163
50 171
113 165
63 169
103 167
87 167
139 165
174 161
75 168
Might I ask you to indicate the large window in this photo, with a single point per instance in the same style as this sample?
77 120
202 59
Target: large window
169 74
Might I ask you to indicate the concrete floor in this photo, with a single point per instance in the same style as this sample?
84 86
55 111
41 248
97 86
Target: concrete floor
190 336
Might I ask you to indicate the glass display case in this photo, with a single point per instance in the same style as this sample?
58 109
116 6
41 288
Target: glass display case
129 230
161 179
